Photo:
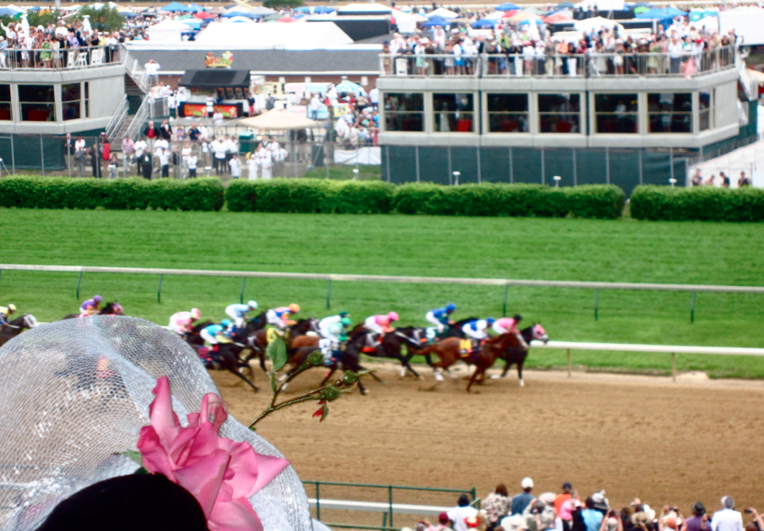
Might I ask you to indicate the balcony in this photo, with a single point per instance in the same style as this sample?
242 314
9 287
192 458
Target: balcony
591 65
48 60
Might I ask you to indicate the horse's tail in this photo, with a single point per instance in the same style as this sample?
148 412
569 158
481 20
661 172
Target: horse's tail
426 350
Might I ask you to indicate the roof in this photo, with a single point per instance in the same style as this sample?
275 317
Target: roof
362 60
288 36
214 78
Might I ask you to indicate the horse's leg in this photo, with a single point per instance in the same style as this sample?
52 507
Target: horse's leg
406 365
235 370
520 372
332 368
473 378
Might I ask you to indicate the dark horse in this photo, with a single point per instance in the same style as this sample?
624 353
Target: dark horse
111 308
392 343
15 327
227 355
517 354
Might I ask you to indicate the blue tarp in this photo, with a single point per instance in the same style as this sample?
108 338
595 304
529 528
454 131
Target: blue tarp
9 11
177 6
240 14
507 6
527 21
435 21
484 23
302 9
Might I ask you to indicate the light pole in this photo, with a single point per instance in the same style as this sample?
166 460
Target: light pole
456 175
557 179
355 174
672 181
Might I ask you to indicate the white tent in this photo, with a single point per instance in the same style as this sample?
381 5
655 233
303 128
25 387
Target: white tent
603 5
496 15
167 31
308 36
407 22
372 9
277 121
594 24
442 12
710 23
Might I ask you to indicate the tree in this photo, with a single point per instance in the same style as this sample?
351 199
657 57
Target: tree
277 4
42 18
105 19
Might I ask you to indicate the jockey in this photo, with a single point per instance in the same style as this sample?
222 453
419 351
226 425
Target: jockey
477 330
333 336
117 307
509 324
440 316
5 312
279 317
91 306
326 322
378 325
238 312
213 334
180 322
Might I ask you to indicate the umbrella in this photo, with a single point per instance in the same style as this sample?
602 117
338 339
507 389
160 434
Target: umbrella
302 9
435 21
557 18
322 10
348 86
511 13
176 6
288 19
195 7
277 121
240 20
507 6
203 15
662 13
8 11
233 14
527 21
483 23
520 16
442 13
566 4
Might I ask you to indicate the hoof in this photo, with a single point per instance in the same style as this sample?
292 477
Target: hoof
403 372
365 392
439 377
495 377
522 383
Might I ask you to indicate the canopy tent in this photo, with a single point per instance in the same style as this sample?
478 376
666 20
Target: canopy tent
665 15
442 12
511 13
195 7
215 78
594 24
313 36
484 23
407 22
640 9
203 15
241 20
569 5
529 21
9 11
710 23
239 14
348 86
603 5
558 18
168 31
288 19
496 15
126 14
436 21
521 16
278 121
365 9
507 6
177 6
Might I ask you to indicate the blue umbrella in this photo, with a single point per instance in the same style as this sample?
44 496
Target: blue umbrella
507 6
195 8
529 20
483 23
9 11
323 10
302 9
176 6
435 21
240 14
662 13
348 86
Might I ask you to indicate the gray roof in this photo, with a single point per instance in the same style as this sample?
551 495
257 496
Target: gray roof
269 61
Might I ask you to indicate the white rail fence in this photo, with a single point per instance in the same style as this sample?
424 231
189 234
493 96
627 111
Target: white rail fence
329 278
667 349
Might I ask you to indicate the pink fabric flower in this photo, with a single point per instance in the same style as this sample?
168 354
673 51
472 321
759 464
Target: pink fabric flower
219 472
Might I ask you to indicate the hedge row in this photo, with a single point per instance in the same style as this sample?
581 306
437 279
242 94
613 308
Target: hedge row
697 204
375 197
117 194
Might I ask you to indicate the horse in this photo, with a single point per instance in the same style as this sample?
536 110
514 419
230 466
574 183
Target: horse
15 327
490 350
111 308
390 347
517 355
228 358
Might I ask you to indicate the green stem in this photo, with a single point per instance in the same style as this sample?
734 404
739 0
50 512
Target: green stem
272 408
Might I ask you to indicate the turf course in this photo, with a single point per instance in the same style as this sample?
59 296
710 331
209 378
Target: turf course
544 249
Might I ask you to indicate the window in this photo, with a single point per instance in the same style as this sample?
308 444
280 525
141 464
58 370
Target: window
454 113
71 96
507 113
706 111
404 112
616 113
5 102
560 113
37 103
670 112
87 99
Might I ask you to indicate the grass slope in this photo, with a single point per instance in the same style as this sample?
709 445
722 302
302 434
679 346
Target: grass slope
547 249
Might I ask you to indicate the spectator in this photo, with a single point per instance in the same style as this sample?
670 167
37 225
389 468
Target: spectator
699 521
191 162
113 165
522 500
725 180
441 526
95 162
151 133
744 181
165 131
697 179
611 522
459 514
496 505
69 150
600 502
592 517
728 519
152 71
164 161
128 150
671 519
235 165
563 497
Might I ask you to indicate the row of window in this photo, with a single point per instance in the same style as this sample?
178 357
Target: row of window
669 112
38 102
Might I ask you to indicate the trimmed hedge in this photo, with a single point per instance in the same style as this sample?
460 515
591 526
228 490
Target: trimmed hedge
117 194
376 197
697 204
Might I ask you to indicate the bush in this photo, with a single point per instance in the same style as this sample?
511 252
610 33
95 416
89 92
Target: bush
117 194
310 195
697 204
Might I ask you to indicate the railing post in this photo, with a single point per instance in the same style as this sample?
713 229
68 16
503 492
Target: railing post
159 289
570 364
504 305
79 281
390 501
673 366
42 156
329 294
318 501
692 308
241 295
596 304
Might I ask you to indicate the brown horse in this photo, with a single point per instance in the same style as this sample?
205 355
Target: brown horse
491 350
448 351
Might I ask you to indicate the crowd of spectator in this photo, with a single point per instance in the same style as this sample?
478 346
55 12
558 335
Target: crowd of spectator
722 180
566 511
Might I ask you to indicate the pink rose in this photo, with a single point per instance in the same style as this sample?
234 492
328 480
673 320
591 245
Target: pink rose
219 472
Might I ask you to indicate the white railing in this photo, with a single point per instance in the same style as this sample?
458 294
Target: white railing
115 123
666 349
57 59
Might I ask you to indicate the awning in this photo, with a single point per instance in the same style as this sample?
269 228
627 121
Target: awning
214 78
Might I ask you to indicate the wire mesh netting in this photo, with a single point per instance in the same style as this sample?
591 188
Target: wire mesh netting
75 395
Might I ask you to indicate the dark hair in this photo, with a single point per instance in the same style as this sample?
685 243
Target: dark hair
501 488
589 503
464 500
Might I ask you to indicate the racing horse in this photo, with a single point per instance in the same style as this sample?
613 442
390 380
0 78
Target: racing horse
228 359
391 344
489 352
15 327
516 355
111 308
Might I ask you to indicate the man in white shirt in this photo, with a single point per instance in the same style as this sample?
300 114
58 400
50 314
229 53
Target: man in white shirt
191 162
728 519
61 30
315 104
152 71
235 165
461 512
675 53
374 97
159 145
164 161
219 153
140 147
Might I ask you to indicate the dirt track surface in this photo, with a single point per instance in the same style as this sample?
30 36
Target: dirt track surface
634 436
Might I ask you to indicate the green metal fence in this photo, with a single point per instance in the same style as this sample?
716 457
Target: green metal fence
378 507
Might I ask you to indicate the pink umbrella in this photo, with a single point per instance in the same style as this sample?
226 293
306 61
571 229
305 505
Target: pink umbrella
510 13
288 19
203 15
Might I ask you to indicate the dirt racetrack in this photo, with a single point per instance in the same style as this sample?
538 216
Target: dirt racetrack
632 435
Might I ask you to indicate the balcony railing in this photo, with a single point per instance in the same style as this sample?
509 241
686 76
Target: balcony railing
589 65
66 59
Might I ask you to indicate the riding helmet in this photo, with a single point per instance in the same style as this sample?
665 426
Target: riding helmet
345 321
195 313
225 322
518 318
12 307
294 308
450 307
490 320
97 298
392 316
343 313
252 304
